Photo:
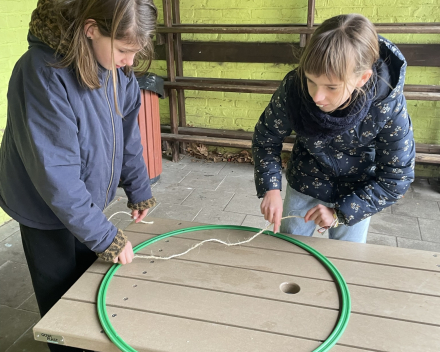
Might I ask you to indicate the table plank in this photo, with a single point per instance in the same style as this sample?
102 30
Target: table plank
249 312
297 264
320 293
369 253
149 332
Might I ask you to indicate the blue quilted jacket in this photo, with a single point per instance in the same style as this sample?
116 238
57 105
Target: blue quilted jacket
361 171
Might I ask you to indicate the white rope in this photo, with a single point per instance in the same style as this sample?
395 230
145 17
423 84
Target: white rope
211 240
124 212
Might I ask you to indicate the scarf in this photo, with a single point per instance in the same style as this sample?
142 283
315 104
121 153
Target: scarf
309 120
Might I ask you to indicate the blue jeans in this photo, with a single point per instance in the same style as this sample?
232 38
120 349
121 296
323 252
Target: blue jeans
297 203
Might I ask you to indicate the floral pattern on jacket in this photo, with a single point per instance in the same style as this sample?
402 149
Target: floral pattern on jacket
361 171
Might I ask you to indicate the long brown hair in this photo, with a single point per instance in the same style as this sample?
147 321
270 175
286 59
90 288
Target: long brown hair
133 21
340 46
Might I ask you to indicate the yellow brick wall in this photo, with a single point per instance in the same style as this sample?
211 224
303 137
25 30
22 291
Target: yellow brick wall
14 24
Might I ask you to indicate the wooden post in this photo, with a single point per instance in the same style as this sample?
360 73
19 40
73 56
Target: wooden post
304 38
171 73
179 67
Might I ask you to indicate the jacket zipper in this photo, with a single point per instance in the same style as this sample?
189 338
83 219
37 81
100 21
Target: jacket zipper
114 140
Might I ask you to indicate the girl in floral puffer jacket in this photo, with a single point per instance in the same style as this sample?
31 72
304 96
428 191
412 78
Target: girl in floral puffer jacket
354 151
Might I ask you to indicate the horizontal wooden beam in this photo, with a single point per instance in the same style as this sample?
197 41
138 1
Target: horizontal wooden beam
282 53
217 133
220 87
223 142
220 134
421 158
417 28
275 83
428 158
422 96
414 92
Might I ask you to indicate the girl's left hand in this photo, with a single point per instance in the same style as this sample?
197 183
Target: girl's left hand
138 215
321 215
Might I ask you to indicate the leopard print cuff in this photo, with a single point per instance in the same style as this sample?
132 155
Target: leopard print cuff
341 218
146 204
115 248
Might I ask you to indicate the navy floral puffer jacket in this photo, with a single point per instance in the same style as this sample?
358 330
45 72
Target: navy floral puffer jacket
362 170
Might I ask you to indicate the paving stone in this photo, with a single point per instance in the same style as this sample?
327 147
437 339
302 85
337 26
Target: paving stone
187 159
122 224
417 208
118 204
120 193
202 180
237 169
27 343
205 166
240 184
170 165
172 176
173 211
395 225
9 229
426 189
255 221
16 285
244 204
429 230
212 215
12 249
171 193
384 240
409 193
202 197
387 210
417 244
14 323
30 304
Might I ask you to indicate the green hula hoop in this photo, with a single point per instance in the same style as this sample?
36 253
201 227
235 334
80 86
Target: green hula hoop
345 304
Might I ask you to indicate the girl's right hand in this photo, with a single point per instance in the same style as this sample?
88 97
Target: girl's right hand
272 208
126 256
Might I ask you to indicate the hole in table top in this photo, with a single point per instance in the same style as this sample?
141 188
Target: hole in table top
290 288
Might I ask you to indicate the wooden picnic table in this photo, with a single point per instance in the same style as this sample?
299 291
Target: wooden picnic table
219 298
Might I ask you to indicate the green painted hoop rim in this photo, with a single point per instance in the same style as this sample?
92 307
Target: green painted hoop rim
345 300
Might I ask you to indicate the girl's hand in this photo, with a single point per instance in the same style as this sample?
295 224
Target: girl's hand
126 256
272 208
138 215
321 215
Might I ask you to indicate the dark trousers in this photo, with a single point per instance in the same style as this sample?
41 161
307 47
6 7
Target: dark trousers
56 259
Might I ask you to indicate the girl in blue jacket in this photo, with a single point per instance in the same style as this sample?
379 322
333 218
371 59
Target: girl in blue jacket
72 136
354 150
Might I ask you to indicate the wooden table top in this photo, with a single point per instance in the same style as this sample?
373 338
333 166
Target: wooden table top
218 298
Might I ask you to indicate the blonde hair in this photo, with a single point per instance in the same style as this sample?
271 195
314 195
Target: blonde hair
341 46
133 21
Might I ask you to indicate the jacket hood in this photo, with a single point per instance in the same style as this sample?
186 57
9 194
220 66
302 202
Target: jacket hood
44 26
391 69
